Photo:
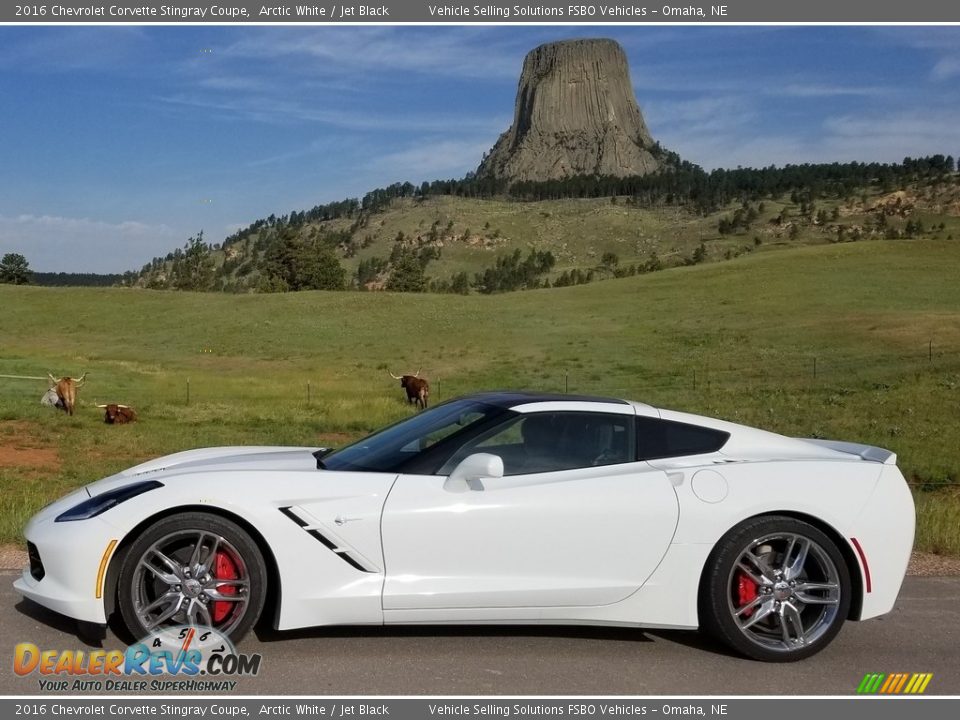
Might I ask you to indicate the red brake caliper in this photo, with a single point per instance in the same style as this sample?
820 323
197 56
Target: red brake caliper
746 592
223 569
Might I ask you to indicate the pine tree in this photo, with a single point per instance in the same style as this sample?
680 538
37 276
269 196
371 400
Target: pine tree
15 270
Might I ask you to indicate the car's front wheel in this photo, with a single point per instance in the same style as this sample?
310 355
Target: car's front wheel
192 569
777 589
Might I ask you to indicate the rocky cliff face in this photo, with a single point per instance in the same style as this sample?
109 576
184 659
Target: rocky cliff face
575 114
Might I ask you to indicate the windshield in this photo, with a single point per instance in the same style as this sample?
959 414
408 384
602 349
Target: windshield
437 432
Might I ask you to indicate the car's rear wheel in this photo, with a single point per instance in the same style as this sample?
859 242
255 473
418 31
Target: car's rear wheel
192 569
777 589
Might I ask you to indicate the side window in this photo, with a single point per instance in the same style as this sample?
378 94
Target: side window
547 442
666 439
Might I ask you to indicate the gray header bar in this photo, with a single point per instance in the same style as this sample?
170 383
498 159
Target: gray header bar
334 12
326 708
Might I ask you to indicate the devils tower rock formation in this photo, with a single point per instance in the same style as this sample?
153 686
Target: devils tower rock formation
575 114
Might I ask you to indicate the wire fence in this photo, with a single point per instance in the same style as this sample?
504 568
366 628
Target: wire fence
748 381
767 369
774 372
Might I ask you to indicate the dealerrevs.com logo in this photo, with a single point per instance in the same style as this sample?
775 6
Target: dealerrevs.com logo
894 683
191 658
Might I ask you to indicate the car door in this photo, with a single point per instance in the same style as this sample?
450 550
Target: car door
575 520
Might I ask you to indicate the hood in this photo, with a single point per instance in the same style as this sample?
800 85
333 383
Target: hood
211 459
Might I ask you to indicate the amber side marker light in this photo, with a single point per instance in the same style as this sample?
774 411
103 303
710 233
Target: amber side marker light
103 567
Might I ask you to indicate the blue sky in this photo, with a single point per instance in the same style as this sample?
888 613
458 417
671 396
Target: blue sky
118 143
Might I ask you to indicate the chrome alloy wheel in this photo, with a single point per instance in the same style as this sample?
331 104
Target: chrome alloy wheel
190 577
784 591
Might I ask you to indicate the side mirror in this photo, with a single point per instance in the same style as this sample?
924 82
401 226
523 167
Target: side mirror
472 471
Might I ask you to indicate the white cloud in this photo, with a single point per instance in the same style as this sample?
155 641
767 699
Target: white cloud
940 42
367 53
811 90
73 49
946 68
864 138
61 244
702 116
431 159
893 136
265 109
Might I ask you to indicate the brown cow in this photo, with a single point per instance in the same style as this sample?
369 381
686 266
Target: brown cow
118 414
418 389
66 389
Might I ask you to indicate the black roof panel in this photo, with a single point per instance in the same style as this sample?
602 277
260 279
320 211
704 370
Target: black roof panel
512 398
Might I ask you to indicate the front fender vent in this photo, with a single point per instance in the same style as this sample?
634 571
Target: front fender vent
350 556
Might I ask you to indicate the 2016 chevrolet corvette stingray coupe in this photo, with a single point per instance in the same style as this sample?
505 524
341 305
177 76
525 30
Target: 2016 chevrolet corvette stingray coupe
500 507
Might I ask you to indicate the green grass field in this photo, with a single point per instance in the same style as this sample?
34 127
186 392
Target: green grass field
857 341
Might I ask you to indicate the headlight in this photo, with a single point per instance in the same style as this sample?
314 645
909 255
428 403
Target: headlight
103 502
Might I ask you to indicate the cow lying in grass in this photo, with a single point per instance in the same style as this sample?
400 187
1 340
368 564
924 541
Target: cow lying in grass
116 414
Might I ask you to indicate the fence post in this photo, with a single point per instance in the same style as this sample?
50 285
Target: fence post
188 391
308 392
814 367
694 378
930 351
566 382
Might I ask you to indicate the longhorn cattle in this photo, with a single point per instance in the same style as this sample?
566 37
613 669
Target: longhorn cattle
117 414
418 389
66 389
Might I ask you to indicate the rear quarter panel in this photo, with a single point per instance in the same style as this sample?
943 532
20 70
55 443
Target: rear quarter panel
834 492
884 530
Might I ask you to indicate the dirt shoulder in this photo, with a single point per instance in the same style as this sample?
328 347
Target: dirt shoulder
930 565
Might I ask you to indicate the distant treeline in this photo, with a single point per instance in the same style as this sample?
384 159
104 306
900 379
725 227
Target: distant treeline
62 279
690 185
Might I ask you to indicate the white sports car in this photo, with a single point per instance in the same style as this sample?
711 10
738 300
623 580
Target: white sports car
502 507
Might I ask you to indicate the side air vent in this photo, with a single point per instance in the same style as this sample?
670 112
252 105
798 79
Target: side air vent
348 555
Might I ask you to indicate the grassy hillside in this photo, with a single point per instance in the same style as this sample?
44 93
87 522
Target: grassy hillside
857 341
469 234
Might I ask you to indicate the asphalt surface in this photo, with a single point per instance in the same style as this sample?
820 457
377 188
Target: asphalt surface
922 634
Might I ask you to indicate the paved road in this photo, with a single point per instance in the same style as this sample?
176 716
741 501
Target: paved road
921 635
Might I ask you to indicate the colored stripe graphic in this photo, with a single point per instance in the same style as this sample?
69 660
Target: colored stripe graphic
894 683
891 681
870 683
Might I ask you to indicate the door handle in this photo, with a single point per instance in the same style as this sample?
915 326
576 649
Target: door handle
341 520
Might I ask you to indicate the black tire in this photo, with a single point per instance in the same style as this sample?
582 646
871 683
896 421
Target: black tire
177 538
747 610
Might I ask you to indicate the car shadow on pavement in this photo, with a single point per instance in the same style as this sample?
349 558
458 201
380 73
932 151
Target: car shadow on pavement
89 635
618 634
687 638
95 637
696 641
